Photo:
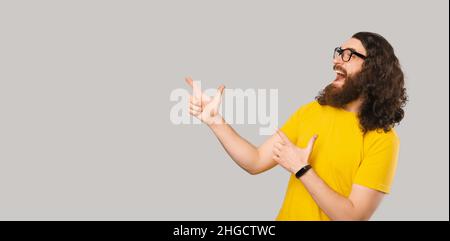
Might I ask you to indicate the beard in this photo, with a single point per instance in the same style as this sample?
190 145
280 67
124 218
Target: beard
336 96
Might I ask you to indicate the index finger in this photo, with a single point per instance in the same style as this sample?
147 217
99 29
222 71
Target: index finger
196 90
188 81
283 137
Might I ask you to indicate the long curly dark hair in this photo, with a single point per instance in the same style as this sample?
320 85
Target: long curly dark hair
381 85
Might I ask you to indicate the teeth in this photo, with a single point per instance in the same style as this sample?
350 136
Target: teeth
339 72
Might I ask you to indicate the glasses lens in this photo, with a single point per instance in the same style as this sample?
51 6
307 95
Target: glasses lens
336 52
346 55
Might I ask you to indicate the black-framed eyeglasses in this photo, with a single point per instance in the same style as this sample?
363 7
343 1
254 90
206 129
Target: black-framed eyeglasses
346 54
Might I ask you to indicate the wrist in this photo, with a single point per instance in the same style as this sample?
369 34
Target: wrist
302 171
297 167
217 121
307 175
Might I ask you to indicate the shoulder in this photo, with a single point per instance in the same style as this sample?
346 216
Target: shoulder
379 138
308 107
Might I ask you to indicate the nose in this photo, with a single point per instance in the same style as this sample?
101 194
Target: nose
337 60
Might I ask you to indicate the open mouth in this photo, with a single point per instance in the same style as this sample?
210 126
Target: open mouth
340 76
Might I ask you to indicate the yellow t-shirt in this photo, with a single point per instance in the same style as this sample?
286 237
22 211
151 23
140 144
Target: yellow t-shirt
342 156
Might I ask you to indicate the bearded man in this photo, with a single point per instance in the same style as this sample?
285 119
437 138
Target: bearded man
341 148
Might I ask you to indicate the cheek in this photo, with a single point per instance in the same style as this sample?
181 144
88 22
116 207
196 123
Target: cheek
354 69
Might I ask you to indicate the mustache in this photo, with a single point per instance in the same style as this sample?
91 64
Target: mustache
339 68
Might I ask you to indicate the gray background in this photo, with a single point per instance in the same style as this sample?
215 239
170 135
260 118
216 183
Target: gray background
84 103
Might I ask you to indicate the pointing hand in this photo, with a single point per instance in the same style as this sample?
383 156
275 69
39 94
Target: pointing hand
202 106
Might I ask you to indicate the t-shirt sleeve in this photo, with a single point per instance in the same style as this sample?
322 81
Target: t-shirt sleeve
379 163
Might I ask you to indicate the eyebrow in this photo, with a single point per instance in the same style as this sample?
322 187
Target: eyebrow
350 48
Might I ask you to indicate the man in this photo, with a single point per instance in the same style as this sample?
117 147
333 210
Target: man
341 149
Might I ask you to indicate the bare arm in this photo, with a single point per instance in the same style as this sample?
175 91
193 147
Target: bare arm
252 159
360 205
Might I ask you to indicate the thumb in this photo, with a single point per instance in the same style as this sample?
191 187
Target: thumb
311 143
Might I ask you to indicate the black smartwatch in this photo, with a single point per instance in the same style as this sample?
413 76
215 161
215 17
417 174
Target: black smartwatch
302 171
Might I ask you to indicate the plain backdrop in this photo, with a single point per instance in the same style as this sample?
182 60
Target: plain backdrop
85 131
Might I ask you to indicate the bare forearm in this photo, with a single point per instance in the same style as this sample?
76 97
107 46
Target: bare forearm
240 150
336 206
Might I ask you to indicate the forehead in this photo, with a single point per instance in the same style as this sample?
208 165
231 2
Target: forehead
354 44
